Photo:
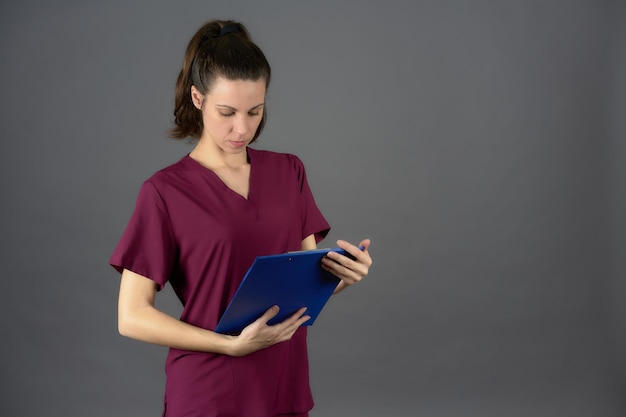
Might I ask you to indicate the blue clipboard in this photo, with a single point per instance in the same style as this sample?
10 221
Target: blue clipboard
289 280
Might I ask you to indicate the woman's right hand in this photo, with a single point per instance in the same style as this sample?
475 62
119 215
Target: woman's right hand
138 318
259 335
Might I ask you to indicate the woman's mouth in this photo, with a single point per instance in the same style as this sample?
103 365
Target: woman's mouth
238 143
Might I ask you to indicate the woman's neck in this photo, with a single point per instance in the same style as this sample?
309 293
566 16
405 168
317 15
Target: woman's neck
213 157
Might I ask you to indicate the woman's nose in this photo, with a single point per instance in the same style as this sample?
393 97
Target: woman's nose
241 125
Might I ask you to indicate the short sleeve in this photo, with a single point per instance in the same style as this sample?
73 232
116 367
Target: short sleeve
147 246
312 220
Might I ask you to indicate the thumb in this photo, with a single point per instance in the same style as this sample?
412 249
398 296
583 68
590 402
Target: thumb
365 243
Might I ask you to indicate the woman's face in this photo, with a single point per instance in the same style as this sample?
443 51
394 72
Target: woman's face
231 113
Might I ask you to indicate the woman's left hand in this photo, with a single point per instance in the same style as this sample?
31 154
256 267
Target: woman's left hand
348 270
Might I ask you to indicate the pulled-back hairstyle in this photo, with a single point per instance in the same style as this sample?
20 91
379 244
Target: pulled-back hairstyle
218 49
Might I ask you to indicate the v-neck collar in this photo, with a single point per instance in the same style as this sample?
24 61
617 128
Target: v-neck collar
211 176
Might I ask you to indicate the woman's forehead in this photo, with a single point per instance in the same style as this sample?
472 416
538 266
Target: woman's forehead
238 91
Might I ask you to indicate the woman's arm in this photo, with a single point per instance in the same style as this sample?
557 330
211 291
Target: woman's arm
139 319
348 270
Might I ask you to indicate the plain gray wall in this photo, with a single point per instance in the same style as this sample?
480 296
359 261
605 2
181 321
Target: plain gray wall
480 144
617 195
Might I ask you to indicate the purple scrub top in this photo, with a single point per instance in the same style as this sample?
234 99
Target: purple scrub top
189 229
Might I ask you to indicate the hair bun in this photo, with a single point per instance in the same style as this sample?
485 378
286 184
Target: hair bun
229 29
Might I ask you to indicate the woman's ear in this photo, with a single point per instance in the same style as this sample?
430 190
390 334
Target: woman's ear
197 97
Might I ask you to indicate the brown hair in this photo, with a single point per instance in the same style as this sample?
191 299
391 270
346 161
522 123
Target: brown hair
218 49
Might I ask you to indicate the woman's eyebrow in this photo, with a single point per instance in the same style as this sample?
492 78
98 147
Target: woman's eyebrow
234 109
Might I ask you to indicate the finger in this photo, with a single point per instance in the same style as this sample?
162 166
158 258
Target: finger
365 244
291 328
289 321
344 265
269 314
295 316
340 265
360 255
287 328
349 276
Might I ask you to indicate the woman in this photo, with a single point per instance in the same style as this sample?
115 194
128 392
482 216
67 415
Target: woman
200 223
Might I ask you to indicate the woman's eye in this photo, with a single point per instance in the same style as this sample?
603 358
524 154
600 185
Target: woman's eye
231 114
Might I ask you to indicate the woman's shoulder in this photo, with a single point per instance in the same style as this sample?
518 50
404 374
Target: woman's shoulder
172 173
278 160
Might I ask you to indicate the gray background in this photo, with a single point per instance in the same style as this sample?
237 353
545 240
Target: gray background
480 144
